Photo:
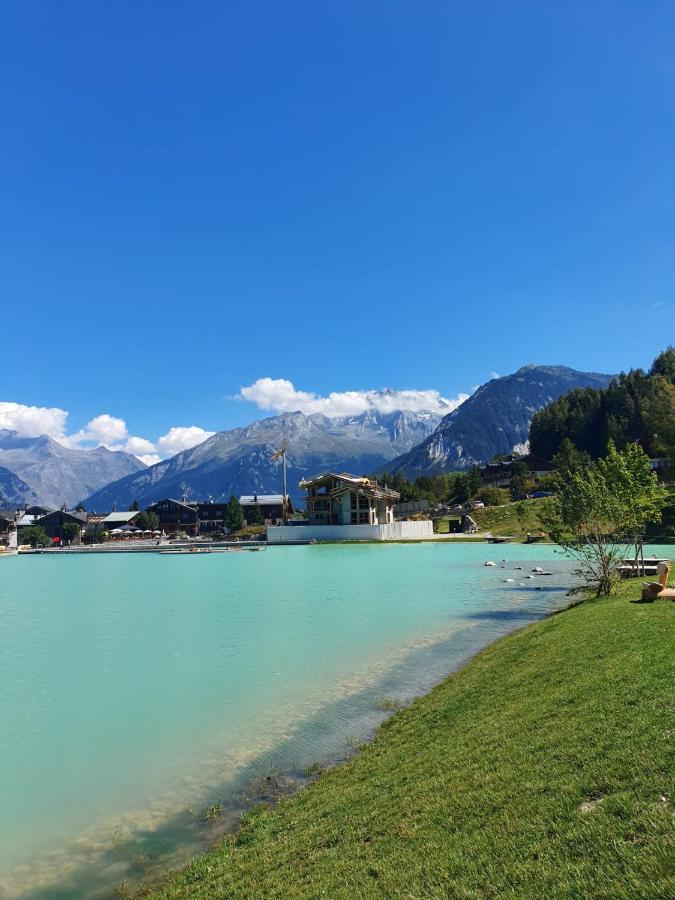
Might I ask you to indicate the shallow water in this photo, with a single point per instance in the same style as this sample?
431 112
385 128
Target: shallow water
135 686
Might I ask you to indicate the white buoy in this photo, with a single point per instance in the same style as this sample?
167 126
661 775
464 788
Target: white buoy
490 562
509 580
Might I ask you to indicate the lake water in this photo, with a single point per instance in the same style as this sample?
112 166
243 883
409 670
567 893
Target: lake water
137 689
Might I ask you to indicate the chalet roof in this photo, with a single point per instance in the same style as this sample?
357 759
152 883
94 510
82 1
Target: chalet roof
120 518
352 483
26 519
74 516
262 499
191 506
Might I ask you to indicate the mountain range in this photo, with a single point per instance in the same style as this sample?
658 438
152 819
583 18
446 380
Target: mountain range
494 420
48 473
240 461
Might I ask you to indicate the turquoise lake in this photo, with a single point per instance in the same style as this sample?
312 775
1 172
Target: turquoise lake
135 690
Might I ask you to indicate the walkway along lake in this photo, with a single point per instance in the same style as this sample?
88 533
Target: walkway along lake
138 690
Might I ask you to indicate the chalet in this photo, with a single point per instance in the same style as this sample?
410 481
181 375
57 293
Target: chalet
175 515
348 507
347 500
37 511
499 474
52 524
116 519
7 519
271 508
211 516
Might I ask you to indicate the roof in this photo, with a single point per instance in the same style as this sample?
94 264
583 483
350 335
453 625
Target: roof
191 506
114 518
26 520
343 476
75 516
262 499
352 482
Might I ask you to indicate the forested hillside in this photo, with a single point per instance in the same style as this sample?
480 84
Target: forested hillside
637 406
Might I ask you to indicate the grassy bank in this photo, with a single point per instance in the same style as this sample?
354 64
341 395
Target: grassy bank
539 770
509 520
505 520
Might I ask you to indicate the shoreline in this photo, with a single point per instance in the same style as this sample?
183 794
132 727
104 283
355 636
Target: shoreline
177 884
428 656
281 784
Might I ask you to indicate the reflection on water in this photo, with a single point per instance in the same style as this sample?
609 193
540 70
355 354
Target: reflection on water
145 690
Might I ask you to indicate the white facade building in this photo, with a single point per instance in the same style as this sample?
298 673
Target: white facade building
344 507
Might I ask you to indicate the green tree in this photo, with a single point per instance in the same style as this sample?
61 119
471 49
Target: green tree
70 531
641 498
34 535
462 490
659 417
256 515
234 516
147 521
474 481
493 496
598 507
569 458
584 519
664 364
134 506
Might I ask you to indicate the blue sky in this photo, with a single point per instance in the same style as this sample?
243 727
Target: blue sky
345 196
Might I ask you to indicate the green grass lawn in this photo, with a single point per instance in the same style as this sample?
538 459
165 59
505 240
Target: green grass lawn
540 770
503 520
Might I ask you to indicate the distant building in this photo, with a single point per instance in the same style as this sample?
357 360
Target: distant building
52 524
7 519
347 507
175 515
37 511
271 508
211 516
115 519
499 474
339 499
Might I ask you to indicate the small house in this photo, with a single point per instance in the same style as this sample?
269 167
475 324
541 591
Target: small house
52 524
116 519
174 515
271 508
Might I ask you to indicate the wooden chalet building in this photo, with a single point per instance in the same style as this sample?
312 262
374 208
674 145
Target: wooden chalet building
339 499
342 507
271 508
174 515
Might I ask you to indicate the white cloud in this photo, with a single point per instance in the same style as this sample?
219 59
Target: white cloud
149 458
280 395
103 430
182 438
139 445
32 421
